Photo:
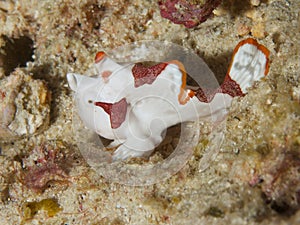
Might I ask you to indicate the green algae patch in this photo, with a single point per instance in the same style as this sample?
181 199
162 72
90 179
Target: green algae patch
215 212
50 205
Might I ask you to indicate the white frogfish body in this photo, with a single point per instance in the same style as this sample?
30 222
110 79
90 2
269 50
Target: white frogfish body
134 104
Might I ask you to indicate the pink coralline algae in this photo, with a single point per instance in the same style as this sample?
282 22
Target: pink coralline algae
279 179
186 13
49 167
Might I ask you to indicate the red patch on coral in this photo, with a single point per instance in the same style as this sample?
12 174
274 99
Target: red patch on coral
116 111
48 167
2 94
183 12
146 75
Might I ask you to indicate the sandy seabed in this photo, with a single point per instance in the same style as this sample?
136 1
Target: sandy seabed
255 178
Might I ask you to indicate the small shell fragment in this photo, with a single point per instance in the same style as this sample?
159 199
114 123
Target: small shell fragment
243 29
258 30
255 2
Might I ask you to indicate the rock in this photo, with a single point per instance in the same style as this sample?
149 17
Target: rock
24 106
